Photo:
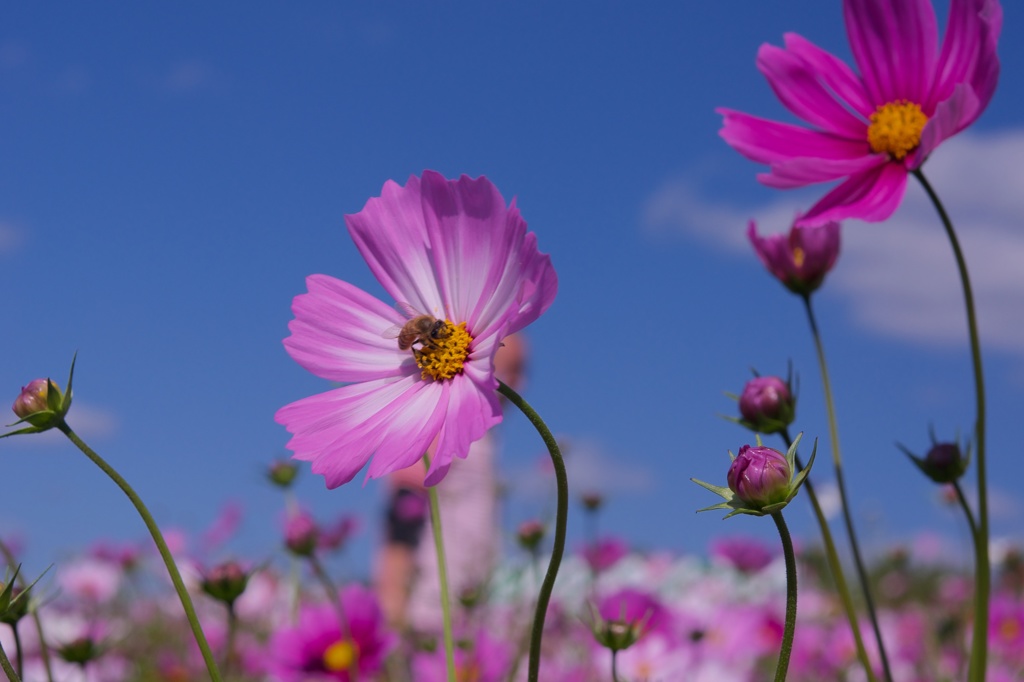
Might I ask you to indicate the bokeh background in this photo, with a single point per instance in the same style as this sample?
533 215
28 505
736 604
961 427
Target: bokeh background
170 174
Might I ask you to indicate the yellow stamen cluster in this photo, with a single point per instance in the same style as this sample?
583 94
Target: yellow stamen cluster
896 128
341 655
447 358
798 256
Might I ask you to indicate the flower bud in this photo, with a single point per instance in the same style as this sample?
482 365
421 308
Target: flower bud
801 259
32 398
944 462
592 501
282 473
529 534
760 476
13 604
767 405
81 650
226 582
301 534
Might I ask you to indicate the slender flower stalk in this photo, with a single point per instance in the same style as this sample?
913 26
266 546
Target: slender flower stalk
161 545
5 665
561 521
790 628
835 566
837 461
982 568
442 576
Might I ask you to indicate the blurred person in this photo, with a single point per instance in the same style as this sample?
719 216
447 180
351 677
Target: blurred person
405 575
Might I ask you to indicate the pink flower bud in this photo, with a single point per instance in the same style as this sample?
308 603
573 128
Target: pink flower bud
32 398
767 404
801 259
760 476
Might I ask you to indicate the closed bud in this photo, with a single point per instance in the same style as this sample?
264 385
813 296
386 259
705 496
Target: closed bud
529 534
301 534
592 501
282 473
226 582
767 405
943 463
760 476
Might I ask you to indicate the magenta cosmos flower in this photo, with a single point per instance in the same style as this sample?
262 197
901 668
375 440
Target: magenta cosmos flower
318 649
450 250
870 130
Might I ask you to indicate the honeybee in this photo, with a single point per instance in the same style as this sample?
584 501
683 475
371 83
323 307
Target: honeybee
421 328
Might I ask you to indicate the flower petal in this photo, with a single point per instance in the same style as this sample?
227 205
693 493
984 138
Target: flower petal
338 333
770 142
483 253
951 116
969 52
797 84
834 73
871 196
340 430
894 43
391 235
473 408
808 171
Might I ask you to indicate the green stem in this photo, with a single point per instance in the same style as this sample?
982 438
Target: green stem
790 630
229 655
561 521
44 650
835 566
442 576
615 667
837 460
967 509
158 538
19 654
5 665
982 569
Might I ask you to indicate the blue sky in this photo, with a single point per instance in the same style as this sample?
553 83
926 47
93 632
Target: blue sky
170 176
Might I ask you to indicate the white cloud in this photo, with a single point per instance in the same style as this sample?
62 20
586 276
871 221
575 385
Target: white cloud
899 276
88 422
10 237
590 469
189 76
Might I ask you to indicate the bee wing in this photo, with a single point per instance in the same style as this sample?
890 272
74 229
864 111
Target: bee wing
407 310
392 332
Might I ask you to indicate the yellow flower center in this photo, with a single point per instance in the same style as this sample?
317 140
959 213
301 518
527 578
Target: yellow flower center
1009 629
798 256
896 128
468 672
448 356
341 655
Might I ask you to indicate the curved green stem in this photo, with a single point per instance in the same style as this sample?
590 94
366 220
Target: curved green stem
982 568
615 667
837 461
835 566
442 576
158 538
5 665
561 521
19 654
44 649
790 629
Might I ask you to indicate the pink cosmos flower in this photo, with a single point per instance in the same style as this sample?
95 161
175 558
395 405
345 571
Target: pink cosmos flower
318 649
871 129
449 249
